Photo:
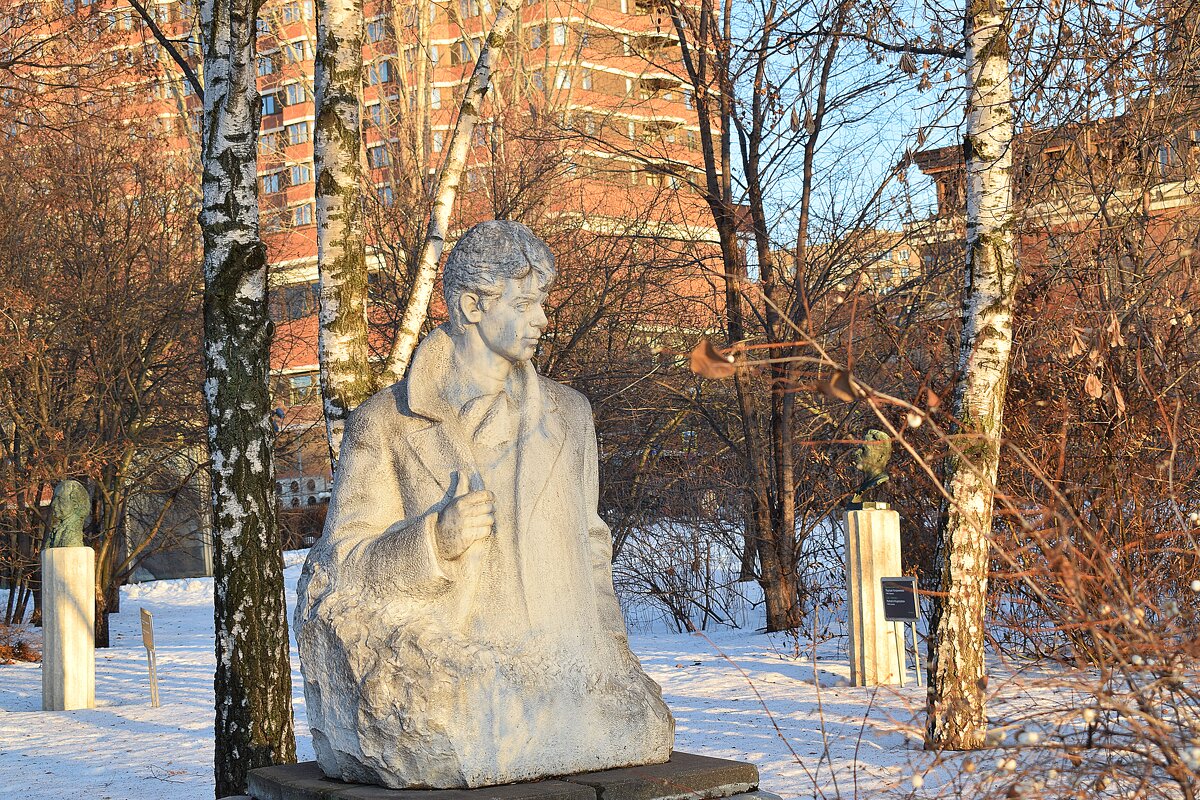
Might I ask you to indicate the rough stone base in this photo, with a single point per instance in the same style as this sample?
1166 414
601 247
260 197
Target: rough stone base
684 777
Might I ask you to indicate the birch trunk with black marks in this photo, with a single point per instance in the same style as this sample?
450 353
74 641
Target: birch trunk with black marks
956 715
447 189
253 683
346 377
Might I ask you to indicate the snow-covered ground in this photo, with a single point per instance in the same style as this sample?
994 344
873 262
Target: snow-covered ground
735 694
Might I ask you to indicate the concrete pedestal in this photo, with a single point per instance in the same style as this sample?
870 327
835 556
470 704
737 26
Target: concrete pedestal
68 628
872 552
684 776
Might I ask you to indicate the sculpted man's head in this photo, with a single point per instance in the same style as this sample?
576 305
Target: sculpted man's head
495 285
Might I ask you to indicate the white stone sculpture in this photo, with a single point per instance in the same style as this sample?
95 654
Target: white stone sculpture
457 623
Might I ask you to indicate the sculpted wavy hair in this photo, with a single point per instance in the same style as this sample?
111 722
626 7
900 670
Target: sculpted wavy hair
485 256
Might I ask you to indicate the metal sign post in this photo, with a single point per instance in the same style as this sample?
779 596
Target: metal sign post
900 606
151 659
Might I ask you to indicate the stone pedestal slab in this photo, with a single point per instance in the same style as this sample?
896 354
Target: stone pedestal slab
872 552
685 776
68 628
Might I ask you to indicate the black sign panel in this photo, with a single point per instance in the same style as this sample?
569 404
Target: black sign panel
900 599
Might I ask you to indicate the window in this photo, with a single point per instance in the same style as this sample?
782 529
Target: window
537 80
433 53
461 52
688 100
270 105
266 65
375 30
375 115
272 183
290 12
904 256
261 26
560 34
300 174
537 36
294 94
379 73
468 8
435 98
378 156
296 52
302 215
1168 158
562 80
585 79
297 133
301 389
439 141
69 6
385 194
294 302
268 142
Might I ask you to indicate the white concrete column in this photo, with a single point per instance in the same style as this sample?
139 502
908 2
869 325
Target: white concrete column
872 552
68 628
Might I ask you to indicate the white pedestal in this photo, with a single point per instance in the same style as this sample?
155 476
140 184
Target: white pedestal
872 552
68 628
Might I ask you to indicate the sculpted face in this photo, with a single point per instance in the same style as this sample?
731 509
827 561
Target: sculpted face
511 324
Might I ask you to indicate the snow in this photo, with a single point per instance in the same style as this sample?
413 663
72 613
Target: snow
728 690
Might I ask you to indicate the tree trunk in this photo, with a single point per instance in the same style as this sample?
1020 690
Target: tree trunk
447 189
957 677
253 726
346 377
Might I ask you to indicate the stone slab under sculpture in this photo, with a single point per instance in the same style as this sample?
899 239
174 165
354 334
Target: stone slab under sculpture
456 621
68 604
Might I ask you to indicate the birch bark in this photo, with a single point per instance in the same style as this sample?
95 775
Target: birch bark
253 726
956 718
446 191
346 377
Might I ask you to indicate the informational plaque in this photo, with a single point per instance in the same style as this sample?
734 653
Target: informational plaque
900 599
151 659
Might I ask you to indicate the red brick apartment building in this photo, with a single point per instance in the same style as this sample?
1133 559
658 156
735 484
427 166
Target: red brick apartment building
1085 191
587 108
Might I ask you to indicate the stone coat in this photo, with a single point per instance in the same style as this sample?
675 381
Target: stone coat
508 663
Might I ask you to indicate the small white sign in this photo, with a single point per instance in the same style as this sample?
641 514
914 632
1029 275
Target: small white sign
151 659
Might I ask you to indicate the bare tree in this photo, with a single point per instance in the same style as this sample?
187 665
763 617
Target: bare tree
253 682
957 674
346 375
101 349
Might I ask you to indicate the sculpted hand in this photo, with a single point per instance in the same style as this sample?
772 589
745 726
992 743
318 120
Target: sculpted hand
466 519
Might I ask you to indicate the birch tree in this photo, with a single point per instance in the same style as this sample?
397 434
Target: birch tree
447 190
957 676
253 726
346 378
